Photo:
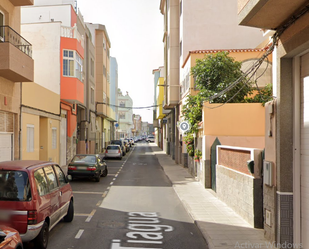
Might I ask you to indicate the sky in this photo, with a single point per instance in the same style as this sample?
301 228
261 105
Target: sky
135 30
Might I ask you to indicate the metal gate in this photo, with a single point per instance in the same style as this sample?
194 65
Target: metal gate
213 160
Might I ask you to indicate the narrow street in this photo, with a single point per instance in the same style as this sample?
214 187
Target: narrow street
135 206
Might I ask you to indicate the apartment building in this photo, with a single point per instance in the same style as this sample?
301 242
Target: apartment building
114 90
16 70
58 107
105 120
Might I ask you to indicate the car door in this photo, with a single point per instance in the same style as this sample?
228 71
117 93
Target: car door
64 190
54 195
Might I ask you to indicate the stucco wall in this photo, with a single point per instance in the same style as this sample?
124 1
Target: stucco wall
238 119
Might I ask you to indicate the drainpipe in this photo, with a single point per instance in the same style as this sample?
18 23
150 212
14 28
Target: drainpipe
20 130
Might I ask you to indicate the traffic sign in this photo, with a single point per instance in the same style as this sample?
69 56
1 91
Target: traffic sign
184 126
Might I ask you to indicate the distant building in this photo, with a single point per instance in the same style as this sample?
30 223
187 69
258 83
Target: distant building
125 115
114 86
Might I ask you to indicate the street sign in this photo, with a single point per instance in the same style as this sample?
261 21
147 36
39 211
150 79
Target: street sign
184 126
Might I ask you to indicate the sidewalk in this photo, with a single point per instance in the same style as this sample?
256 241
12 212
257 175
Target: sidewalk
221 227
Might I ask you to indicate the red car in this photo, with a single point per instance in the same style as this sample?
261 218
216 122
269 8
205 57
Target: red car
9 238
34 197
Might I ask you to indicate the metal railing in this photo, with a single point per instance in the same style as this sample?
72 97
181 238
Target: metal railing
7 34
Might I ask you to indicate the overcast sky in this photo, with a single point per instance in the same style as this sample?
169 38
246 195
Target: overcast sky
135 29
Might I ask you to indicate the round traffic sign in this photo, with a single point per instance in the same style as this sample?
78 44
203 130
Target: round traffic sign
184 126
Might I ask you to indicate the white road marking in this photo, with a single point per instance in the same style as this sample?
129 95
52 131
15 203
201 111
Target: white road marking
79 234
90 216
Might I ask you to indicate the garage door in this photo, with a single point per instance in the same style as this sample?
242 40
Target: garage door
304 151
6 147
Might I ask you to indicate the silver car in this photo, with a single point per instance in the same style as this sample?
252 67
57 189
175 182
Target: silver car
113 151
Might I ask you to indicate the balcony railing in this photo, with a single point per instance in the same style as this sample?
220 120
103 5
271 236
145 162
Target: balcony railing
7 34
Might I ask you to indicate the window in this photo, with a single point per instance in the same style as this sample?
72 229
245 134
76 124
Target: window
180 8
122 104
14 186
104 44
92 67
68 63
51 178
122 115
72 64
180 48
79 67
104 70
60 175
41 182
30 138
2 28
54 138
92 95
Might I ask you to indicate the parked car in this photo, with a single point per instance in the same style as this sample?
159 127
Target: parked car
121 144
150 139
113 151
87 165
34 197
126 144
9 238
132 141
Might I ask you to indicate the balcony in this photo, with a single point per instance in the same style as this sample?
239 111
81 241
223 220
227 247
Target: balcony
267 14
16 63
22 2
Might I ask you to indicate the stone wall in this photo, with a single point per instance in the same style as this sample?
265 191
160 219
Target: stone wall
243 193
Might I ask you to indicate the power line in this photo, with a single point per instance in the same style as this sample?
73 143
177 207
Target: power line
128 107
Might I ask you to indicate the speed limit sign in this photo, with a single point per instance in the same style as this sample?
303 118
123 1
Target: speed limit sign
184 126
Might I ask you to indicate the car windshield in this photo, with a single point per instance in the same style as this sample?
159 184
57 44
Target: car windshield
84 158
113 147
14 186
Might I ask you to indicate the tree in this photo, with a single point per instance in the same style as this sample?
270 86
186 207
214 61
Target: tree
264 95
192 111
217 72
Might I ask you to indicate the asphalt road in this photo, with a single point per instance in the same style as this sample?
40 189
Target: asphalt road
133 207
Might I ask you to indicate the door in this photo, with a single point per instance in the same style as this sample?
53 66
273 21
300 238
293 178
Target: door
65 191
213 160
6 147
54 195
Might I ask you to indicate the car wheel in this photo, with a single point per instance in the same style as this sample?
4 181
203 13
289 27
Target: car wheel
70 214
120 158
105 172
41 240
97 178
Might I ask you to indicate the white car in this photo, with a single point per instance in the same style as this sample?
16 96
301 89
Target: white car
150 139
